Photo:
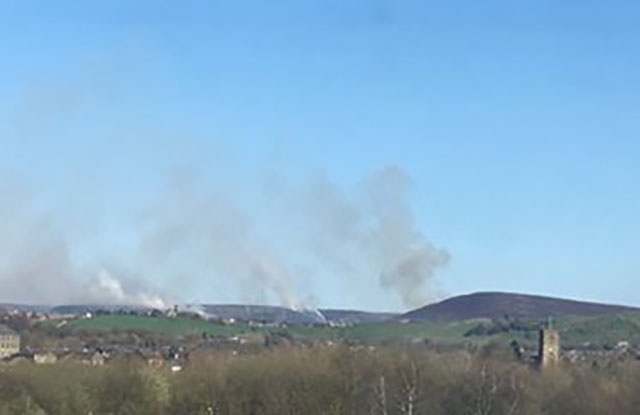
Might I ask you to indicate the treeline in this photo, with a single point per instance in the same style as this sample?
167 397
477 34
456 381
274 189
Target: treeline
325 381
506 324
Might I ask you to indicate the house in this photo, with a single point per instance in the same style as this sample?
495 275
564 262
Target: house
18 358
45 358
9 342
97 359
153 358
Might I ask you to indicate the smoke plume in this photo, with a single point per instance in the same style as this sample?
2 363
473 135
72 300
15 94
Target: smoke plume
197 232
106 286
198 224
372 229
36 264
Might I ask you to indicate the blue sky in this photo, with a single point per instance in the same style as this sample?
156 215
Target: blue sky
517 122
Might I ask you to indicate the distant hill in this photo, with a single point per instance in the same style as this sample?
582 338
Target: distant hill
355 316
284 315
239 312
270 314
86 308
498 304
24 307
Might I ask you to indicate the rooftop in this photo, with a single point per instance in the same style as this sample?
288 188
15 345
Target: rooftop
6 330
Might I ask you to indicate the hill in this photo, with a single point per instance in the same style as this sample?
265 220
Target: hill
520 306
92 308
27 308
238 312
167 326
355 316
270 314
275 314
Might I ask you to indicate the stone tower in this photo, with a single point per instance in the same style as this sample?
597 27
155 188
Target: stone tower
548 346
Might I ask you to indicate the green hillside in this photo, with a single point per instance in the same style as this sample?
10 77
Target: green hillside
366 333
603 330
389 331
598 331
576 331
168 326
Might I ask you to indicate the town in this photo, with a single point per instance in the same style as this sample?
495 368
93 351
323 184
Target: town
144 336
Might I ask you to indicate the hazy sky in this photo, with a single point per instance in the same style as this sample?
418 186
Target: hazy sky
516 121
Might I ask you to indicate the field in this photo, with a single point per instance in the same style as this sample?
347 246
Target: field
367 333
169 326
575 331
603 330
380 332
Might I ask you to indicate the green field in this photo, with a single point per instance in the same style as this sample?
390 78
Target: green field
602 330
368 333
379 332
168 326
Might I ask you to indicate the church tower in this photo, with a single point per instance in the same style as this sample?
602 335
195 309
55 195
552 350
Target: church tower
548 346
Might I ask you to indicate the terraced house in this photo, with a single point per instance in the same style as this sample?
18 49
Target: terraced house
9 342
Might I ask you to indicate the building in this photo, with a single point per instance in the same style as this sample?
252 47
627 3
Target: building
152 358
45 358
9 342
97 359
548 346
18 358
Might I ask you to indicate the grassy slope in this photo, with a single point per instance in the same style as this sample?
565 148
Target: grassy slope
372 332
378 332
600 330
499 304
574 330
578 331
169 326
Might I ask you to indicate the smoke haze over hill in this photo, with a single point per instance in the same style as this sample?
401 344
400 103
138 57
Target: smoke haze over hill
373 230
37 265
365 231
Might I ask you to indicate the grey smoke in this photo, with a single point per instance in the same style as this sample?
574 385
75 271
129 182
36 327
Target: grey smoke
372 229
36 264
409 259
197 232
197 224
